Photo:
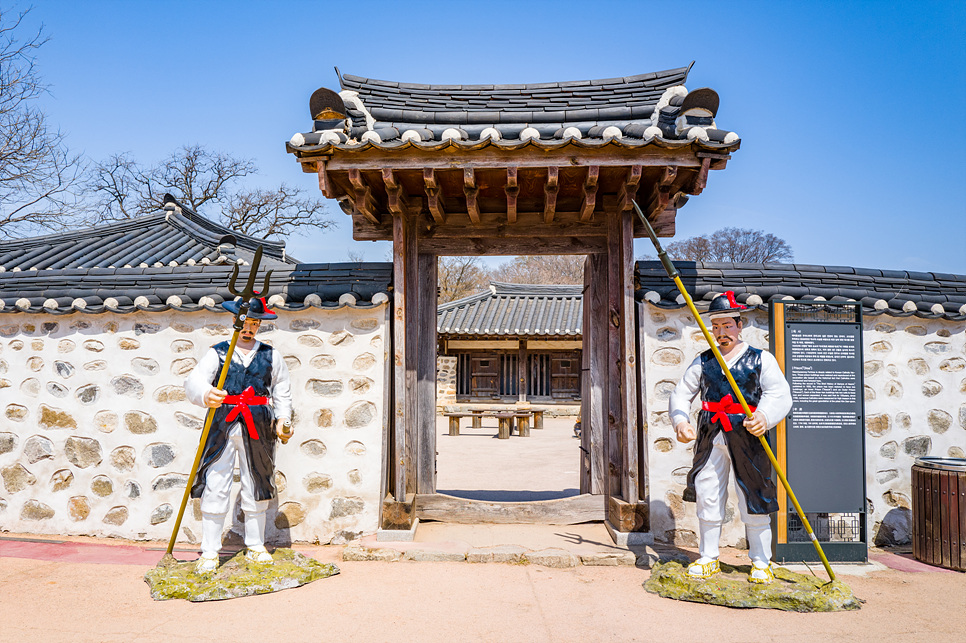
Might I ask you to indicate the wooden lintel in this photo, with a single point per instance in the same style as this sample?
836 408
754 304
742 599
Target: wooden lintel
628 516
471 191
512 190
434 197
363 200
399 514
563 511
550 194
629 188
467 245
701 180
590 193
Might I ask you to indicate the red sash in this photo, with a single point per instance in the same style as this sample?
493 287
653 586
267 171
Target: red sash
242 402
721 410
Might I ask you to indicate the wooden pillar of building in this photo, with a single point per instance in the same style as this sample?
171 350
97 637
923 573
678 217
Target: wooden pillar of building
593 402
426 374
522 370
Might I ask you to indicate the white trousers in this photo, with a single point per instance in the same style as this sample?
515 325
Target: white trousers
711 489
216 498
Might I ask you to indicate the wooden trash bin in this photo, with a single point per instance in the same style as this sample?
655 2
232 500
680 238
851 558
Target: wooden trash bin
939 512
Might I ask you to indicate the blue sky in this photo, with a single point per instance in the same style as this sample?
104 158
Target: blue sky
850 113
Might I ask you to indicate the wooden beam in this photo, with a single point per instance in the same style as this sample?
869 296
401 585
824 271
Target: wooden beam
512 190
701 179
590 193
630 456
434 197
405 350
628 516
399 515
564 511
471 191
363 202
426 374
629 188
513 245
550 194
397 202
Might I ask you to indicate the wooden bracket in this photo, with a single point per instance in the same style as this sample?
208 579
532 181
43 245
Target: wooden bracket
512 190
470 190
590 193
363 202
701 180
660 194
550 194
629 189
325 183
434 198
397 202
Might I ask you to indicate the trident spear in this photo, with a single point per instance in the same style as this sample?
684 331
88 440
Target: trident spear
675 276
246 295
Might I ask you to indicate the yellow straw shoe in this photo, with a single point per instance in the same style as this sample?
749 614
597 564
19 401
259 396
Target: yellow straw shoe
761 575
698 569
258 554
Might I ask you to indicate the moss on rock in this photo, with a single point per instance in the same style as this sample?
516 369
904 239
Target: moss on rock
790 591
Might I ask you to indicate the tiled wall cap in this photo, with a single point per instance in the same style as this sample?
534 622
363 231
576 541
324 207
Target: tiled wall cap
881 304
50 304
174 300
313 300
611 132
909 307
381 298
754 300
276 300
529 133
490 133
652 297
298 140
347 299
572 132
78 304
141 302
937 309
206 301
111 303
23 304
452 134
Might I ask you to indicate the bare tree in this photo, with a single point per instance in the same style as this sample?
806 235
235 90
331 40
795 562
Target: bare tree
459 277
541 269
732 244
36 169
119 188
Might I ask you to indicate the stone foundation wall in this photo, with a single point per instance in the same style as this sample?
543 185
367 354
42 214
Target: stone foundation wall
915 404
445 381
97 438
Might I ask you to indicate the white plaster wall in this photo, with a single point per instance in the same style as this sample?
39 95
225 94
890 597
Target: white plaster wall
915 377
96 437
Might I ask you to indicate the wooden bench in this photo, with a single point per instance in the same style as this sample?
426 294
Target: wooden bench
454 421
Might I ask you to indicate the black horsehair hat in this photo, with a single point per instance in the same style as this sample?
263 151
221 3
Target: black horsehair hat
258 309
724 306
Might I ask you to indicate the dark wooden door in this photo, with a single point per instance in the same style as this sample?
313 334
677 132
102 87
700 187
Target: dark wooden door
484 374
565 375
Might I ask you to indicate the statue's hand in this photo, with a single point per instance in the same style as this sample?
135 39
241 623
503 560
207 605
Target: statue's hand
283 431
685 432
756 424
214 397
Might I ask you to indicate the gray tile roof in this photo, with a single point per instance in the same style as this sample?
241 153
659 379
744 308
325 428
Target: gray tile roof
928 295
632 111
174 236
520 310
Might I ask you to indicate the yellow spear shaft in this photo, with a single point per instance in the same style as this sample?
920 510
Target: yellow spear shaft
676 277
201 446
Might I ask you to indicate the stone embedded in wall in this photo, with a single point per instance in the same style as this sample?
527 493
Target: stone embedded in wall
64 369
8 442
880 347
16 412
342 507
37 448
141 328
369 323
78 508
315 482
83 452
122 458
658 318
322 362
903 421
883 327
944 332
16 345
159 454
355 447
360 385
376 341
145 366
128 344
889 450
116 516
313 448
17 478
133 491
105 421
9 330
80 324
660 419
182 327
325 388
36 510
893 389
896 499
5 383
140 423
885 475
937 348
111 327
4 367
290 514
956 452
182 346
56 390
939 421
30 386
667 334
877 424
360 414
167 481
354 477
170 394
183 366
88 394
189 421
681 537
128 385
952 365
364 362
663 389
35 363
962 416
61 480
323 418
892 370
37 345
303 324
918 446
311 341
918 366
663 445
918 331
341 338
292 362
49 327
931 388
281 482
869 393
53 418
96 365
102 486
161 514
93 345
65 346
667 357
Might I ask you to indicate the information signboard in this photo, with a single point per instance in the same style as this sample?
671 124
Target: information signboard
821 444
